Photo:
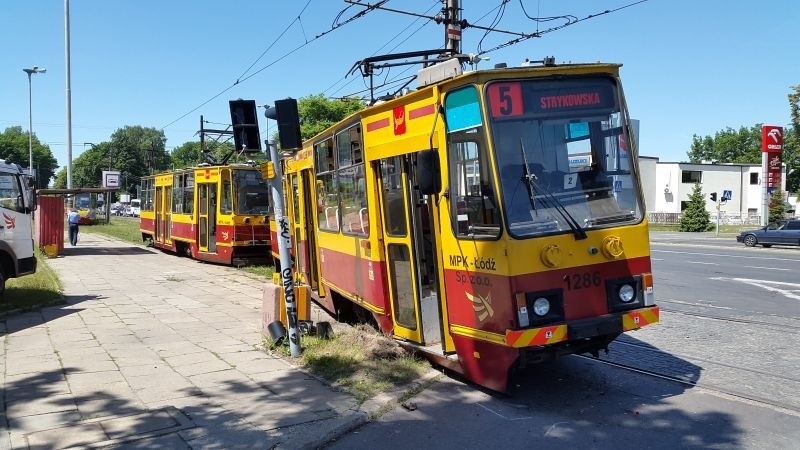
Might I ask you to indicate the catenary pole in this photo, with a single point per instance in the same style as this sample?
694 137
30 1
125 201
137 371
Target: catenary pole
452 26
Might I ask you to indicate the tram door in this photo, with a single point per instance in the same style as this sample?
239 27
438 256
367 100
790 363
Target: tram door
304 242
163 215
207 217
408 247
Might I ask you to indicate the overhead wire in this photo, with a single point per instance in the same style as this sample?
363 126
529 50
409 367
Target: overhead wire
555 28
497 18
392 39
369 8
282 33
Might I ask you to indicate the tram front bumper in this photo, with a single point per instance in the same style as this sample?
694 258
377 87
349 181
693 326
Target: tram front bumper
583 329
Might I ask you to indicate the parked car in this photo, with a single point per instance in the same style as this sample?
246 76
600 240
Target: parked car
784 232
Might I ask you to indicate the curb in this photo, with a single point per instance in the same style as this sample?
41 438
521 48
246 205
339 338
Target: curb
374 408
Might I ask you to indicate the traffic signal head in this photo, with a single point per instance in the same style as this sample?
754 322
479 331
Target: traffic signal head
714 196
285 113
245 125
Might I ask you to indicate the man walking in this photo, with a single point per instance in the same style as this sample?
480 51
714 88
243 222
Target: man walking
72 219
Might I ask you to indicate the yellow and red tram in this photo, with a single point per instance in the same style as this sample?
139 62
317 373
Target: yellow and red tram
489 220
211 213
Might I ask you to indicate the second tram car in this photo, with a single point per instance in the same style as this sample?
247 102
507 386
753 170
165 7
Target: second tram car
213 213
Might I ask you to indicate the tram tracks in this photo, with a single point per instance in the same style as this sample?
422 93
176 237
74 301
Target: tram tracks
772 325
710 387
743 378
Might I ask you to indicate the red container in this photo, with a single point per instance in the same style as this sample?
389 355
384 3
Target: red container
50 223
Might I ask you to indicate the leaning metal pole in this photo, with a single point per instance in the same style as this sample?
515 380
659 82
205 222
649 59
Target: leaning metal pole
284 242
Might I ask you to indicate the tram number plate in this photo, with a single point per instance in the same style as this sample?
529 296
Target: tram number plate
582 280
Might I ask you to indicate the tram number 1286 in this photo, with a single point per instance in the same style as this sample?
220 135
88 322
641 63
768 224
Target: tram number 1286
582 280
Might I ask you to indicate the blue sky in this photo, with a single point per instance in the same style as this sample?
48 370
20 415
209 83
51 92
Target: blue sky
689 66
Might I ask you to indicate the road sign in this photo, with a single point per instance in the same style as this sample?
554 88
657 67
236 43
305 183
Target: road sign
110 179
727 195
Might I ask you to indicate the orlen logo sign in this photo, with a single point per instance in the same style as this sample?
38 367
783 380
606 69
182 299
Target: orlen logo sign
771 138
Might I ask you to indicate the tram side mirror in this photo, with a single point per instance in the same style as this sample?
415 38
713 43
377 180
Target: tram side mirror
429 174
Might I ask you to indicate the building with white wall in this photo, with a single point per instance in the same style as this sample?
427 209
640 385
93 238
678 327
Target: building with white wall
668 185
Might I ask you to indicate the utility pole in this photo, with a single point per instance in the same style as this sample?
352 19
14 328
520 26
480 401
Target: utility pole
452 26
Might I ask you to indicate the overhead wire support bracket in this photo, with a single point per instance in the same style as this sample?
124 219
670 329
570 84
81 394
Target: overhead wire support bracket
368 65
439 19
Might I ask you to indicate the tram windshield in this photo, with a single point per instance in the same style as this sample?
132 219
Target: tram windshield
252 192
563 155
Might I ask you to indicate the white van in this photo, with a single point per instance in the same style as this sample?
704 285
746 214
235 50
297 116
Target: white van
16 224
136 207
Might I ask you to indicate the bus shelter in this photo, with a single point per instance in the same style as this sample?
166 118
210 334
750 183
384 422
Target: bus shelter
52 210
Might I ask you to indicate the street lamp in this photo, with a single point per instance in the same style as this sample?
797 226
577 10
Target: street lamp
30 72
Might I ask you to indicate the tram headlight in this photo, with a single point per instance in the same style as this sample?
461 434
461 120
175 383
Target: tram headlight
541 306
626 293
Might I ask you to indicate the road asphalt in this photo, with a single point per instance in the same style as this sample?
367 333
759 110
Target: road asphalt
156 351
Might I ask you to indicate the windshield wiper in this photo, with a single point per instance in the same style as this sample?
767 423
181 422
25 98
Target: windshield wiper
529 178
610 218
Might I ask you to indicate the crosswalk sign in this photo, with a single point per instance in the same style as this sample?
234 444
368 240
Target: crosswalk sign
727 195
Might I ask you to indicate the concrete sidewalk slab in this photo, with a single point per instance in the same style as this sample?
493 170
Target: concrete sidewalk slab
155 350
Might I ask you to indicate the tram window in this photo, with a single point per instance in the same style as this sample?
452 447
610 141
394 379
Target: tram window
226 205
472 200
352 189
351 183
327 194
177 193
183 193
473 204
188 194
328 208
394 209
252 193
402 292
295 198
348 146
147 194
323 156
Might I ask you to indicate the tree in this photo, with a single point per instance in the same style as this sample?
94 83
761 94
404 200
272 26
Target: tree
695 216
777 207
187 155
318 112
14 149
87 168
729 145
791 142
190 154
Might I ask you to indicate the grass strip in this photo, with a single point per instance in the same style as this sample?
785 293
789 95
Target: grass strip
43 288
123 228
358 360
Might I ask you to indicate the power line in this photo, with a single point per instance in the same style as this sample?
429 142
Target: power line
436 2
335 27
555 28
497 18
282 33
